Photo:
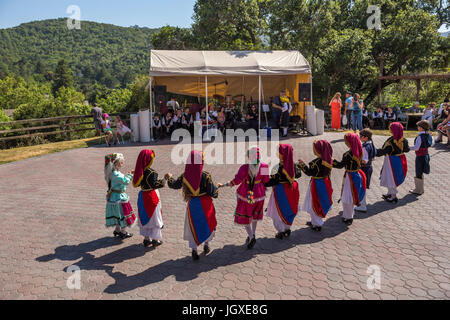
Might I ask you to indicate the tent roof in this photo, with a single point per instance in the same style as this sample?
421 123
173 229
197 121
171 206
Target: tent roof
196 63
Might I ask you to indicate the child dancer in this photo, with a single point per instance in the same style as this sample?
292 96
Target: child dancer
251 194
319 197
354 186
149 200
395 166
369 153
198 190
283 204
423 141
119 212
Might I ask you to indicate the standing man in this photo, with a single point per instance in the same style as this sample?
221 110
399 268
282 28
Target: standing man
174 105
97 115
348 109
277 107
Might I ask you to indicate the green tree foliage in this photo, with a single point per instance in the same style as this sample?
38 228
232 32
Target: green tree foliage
15 91
97 53
63 78
228 25
67 101
116 101
140 96
344 52
173 38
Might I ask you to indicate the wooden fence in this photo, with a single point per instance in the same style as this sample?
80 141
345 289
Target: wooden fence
44 127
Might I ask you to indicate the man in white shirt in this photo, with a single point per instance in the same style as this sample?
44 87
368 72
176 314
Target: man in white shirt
173 104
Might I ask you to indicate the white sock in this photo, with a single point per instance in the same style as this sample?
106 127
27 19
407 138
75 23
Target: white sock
249 231
254 224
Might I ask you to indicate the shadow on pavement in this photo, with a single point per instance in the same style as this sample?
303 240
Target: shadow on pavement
383 206
184 269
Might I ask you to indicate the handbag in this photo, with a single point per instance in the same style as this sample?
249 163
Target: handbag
344 120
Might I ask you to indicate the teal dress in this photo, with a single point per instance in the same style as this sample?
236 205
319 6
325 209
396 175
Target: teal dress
118 208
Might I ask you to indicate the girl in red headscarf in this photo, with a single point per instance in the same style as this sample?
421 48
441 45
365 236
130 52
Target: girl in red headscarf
198 190
319 197
395 166
251 194
283 204
149 200
354 185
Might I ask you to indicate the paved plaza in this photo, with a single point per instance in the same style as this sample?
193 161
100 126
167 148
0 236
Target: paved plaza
53 218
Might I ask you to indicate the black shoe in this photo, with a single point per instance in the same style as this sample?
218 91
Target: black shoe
125 235
386 196
394 201
252 243
156 243
348 222
195 256
287 233
147 243
248 240
116 234
309 224
206 249
279 235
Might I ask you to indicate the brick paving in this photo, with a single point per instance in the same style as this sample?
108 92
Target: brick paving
53 217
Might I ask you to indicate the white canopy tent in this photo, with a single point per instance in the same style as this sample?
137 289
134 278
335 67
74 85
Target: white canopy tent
203 73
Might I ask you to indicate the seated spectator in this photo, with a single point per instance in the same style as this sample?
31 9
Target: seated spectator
444 130
365 117
253 118
177 121
389 117
188 120
415 108
443 112
429 114
221 119
157 127
122 129
106 125
167 125
378 118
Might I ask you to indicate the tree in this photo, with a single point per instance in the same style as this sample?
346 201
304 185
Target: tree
63 77
343 52
228 25
172 38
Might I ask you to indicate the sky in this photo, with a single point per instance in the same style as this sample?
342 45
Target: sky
125 13
144 13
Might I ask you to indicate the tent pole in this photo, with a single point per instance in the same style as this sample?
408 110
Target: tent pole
259 104
207 106
151 108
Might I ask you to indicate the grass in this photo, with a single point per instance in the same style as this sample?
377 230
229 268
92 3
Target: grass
16 154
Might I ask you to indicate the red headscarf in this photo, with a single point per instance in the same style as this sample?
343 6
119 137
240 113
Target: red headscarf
287 155
324 151
396 129
144 161
354 143
193 172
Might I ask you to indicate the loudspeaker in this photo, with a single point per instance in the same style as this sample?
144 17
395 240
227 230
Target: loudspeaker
160 96
304 92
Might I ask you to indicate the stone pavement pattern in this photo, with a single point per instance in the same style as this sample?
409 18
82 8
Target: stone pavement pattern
53 217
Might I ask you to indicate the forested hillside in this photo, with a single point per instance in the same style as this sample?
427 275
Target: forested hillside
110 55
